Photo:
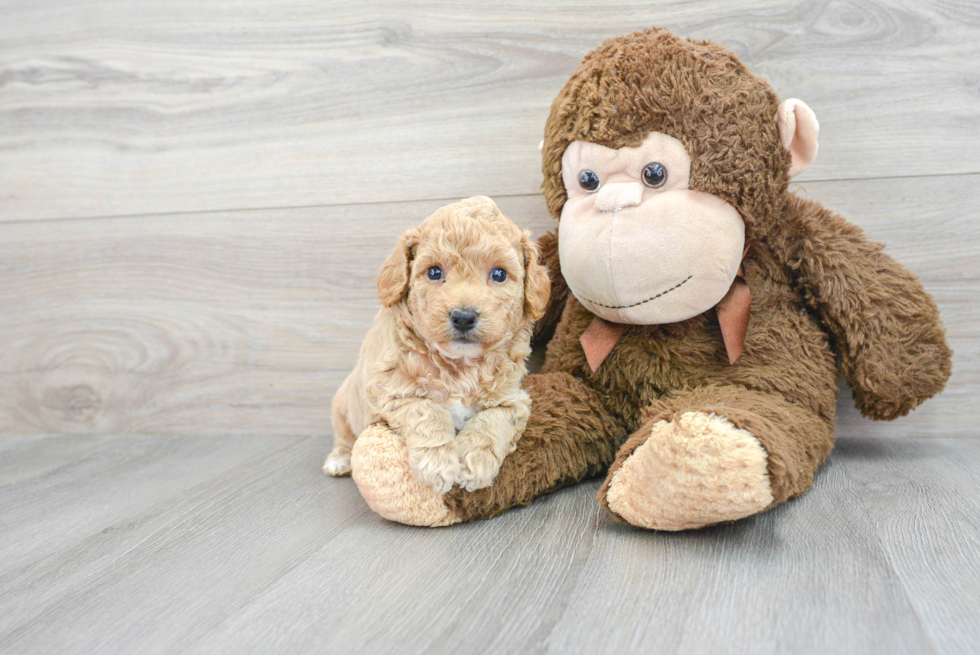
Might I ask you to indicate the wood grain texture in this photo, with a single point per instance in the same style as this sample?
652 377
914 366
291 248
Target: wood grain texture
99 479
258 551
246 322
922 500
181 554
135 107
220 324
194 199
763 585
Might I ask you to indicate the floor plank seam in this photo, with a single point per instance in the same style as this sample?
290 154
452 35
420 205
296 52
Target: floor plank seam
101 565
441 200
884 554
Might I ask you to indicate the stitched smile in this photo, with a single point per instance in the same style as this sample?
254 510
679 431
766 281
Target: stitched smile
659 295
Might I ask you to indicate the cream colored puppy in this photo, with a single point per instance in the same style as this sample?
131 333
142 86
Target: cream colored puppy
443 364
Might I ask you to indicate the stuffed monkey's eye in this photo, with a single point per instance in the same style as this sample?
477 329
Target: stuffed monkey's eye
434 273
588 180
498 275
654 175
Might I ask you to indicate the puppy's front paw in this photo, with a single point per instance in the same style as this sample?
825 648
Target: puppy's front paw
478 468
437 467
338 463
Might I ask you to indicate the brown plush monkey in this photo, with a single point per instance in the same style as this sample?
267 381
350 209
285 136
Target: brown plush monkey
703 312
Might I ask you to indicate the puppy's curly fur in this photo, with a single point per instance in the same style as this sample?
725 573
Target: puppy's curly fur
454 395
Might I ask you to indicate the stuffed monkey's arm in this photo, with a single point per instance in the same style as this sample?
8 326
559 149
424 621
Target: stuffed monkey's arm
545 327
885 327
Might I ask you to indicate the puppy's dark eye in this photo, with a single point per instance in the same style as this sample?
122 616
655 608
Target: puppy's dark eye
498 275
434 273
654 175
588 180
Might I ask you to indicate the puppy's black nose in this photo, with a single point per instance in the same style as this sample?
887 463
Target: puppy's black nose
464 320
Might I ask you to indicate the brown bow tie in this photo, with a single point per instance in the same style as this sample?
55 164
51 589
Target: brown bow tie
734 310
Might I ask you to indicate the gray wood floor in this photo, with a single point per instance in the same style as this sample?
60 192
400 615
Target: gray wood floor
194 199
149 544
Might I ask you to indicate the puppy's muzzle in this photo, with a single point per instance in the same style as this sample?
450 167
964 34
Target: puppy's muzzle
464 320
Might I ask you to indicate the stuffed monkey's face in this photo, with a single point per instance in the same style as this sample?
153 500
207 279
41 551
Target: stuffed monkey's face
636 244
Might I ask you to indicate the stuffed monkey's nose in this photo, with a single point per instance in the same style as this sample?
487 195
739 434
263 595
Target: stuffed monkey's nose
613 197
464 320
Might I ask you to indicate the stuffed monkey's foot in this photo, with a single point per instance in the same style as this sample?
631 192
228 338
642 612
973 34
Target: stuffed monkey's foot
383 476
338 463
695 470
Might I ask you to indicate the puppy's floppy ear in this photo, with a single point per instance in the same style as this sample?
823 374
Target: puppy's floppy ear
397 269
537 286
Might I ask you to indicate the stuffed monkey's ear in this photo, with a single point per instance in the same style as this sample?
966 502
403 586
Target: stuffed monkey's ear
537 286
395 272
798 129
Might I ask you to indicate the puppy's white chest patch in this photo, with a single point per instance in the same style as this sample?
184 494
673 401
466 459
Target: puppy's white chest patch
461 413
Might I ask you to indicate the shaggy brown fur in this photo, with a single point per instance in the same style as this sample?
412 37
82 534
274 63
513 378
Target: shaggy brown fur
695 91
824 299
545 328
822 294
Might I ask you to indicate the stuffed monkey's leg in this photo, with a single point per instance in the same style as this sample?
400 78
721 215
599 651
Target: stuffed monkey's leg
570 436
715 454
381 471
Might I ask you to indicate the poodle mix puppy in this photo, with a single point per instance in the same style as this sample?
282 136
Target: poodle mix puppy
443 364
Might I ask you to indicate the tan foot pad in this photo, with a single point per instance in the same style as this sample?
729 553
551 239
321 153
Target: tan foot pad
694 471
379 463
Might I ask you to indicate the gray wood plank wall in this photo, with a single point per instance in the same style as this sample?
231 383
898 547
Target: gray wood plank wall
194 197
